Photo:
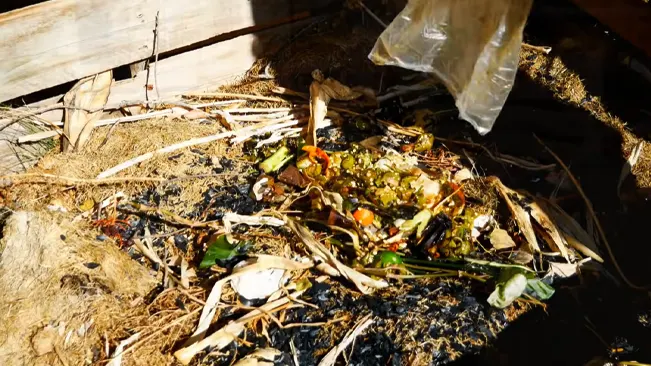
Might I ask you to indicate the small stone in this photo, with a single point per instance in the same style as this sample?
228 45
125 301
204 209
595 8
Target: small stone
91 265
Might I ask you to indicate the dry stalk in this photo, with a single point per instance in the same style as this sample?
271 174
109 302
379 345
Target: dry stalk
174 218
251 131
234 95
593 214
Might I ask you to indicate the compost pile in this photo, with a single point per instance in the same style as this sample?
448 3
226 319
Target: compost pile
326 227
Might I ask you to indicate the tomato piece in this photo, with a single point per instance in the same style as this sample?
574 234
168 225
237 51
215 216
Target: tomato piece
364 217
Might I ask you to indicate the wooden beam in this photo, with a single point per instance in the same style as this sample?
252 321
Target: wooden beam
630 19
58 41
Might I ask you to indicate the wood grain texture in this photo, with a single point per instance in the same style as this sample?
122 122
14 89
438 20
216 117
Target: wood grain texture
58 41
630 19
200 70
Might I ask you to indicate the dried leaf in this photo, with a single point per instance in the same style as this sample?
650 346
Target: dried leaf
260 357
519 213
557 242
224 336
364 283
521 257
562 270
500 239
372 142
321 92
573 233
231 220
332 199
262 262
583 249
90 93
292 176
116 358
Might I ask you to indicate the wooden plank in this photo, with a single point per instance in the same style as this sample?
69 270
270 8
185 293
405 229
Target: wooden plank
200 70
204 69
630 19
58 41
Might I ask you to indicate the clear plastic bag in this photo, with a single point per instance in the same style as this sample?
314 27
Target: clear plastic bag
473 46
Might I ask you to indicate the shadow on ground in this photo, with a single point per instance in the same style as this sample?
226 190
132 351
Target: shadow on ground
583 320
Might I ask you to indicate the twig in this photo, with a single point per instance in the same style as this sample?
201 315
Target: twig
103 122
588 204
544 49
234 95
174 218
260 110
219 103
44 110
286 91
156 56
502 157
377 19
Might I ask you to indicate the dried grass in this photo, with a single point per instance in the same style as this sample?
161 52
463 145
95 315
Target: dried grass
566 84
128 141
45 279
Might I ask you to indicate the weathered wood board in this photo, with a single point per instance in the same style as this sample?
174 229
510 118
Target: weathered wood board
204 69
58 41
630 19
201 70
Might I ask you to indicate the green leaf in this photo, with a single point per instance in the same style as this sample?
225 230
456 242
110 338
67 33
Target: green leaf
303 284
221 249
540 290
506 292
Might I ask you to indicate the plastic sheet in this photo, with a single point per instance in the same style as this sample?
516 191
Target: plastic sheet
472 46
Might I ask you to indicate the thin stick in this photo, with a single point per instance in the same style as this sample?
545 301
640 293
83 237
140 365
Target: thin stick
588 204
544 49
219 103
104 122
139 159
175 219
377 19
234 95
156 56
260 110
44 110
503 158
